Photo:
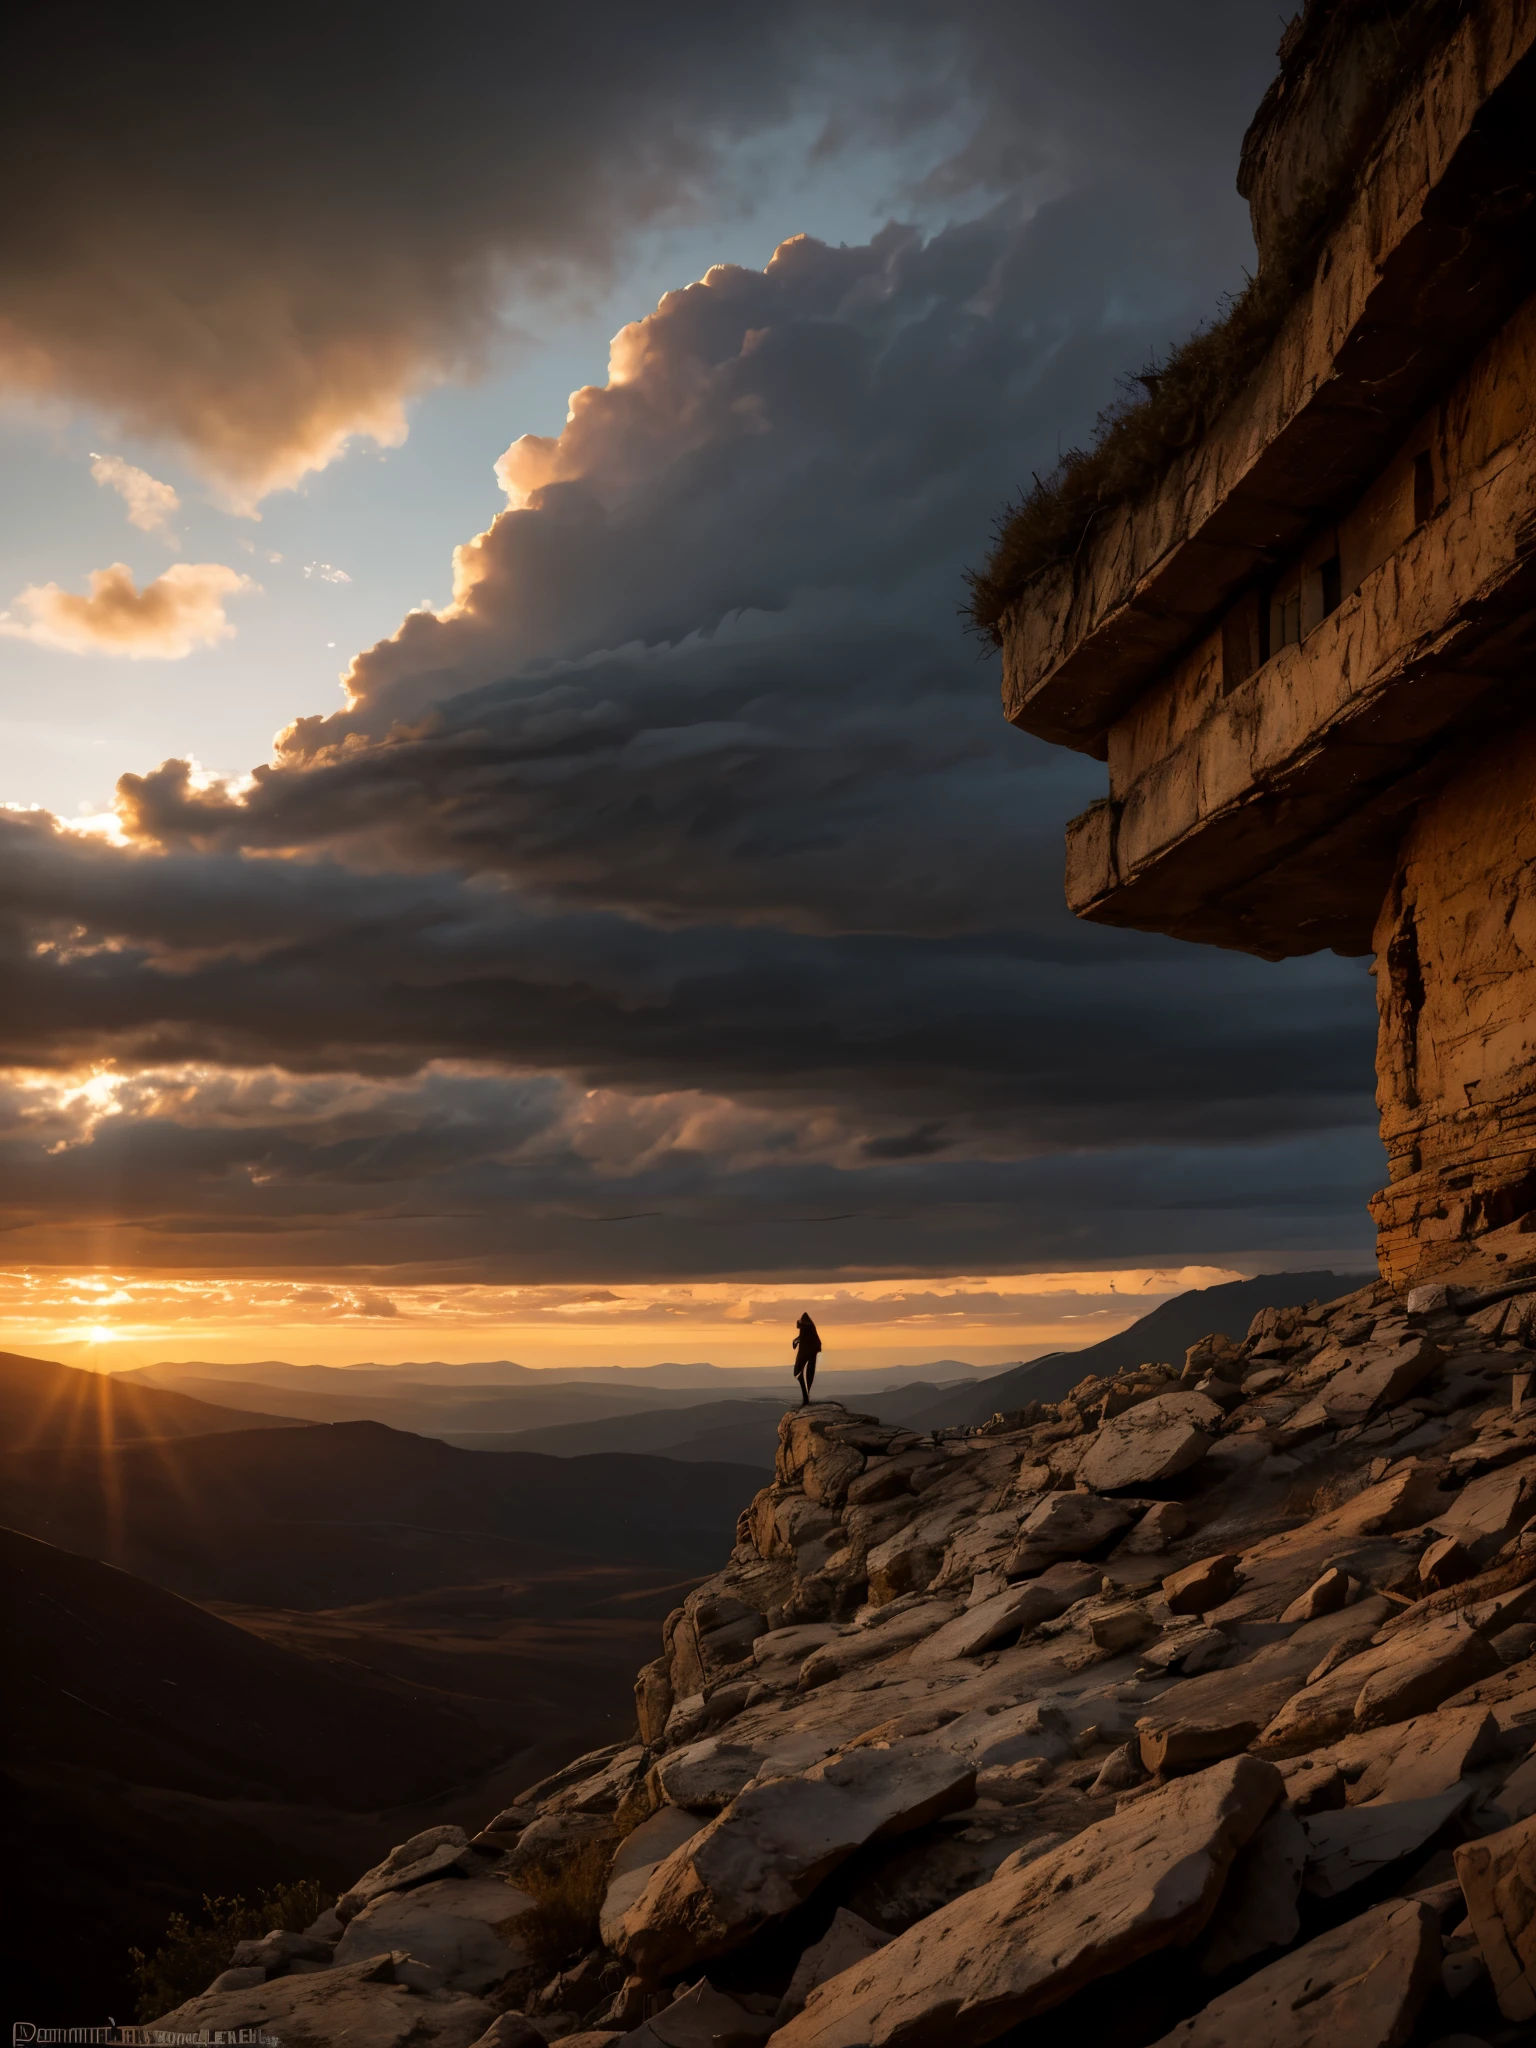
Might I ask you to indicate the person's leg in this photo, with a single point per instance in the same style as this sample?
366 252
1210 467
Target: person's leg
810 1376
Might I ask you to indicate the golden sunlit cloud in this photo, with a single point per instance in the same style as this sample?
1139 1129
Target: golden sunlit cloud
150 503
168 618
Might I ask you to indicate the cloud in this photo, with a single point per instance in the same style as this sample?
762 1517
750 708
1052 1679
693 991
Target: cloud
180 610
150 503
677 900
260 247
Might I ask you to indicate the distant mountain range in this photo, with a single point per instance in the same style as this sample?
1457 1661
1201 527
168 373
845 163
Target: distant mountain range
585 1411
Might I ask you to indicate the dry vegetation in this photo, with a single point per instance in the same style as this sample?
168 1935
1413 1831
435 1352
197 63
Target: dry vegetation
194 1952
1172 402
568 1894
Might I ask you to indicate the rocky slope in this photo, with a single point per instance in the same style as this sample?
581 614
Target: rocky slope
1196 1708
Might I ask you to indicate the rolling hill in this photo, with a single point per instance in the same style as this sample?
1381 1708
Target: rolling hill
45 1403
335 1513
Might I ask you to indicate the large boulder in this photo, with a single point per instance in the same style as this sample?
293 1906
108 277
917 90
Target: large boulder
1360 1986
433 1853
1488 1510
1378 1376
1350 1847
774 1845
874 1642
1013 1611
636 1861
1155 1440
465 1928
910 1559
1068 1525
364 2004
1144 1879
1409 1674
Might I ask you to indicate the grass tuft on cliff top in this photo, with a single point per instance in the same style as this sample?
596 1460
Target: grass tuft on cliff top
1170 404
1163 409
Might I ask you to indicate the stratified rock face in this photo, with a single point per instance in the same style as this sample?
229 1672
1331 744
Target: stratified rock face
921 1817
1305 650
1456 992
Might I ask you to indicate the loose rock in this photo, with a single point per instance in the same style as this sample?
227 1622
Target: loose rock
1362 1985
1137 1882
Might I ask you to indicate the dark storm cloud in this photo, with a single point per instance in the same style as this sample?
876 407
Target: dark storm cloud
699 795
258 232
711 667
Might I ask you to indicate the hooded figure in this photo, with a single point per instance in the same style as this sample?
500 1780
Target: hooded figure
807 1348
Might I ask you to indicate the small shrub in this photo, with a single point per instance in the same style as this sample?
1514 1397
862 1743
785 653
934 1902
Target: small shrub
569 1895
194 1952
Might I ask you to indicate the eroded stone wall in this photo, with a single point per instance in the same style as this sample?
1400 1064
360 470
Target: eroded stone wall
1456 1050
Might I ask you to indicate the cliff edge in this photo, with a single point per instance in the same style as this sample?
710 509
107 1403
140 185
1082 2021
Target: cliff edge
1199 1706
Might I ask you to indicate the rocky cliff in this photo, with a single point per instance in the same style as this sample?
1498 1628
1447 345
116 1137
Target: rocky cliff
1196 1708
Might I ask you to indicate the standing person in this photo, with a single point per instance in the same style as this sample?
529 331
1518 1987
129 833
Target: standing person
807 1348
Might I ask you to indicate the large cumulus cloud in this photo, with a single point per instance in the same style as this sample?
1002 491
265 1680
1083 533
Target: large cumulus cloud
258 234
678 899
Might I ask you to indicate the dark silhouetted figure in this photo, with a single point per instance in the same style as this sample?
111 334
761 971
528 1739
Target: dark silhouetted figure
807 1348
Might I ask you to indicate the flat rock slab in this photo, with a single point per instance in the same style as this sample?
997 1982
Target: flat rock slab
708 1774
1419 1758
1139 1881
463 1927
1012 1611
1493 1507
1252 1691
1361 1986
1498 1877
870 1645
776 1842
1152 1441
1407 1675
359 2004
1346 1847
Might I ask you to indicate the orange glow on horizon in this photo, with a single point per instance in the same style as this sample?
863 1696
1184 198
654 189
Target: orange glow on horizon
142 1319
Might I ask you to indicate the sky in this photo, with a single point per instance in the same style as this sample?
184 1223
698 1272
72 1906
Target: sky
508 847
